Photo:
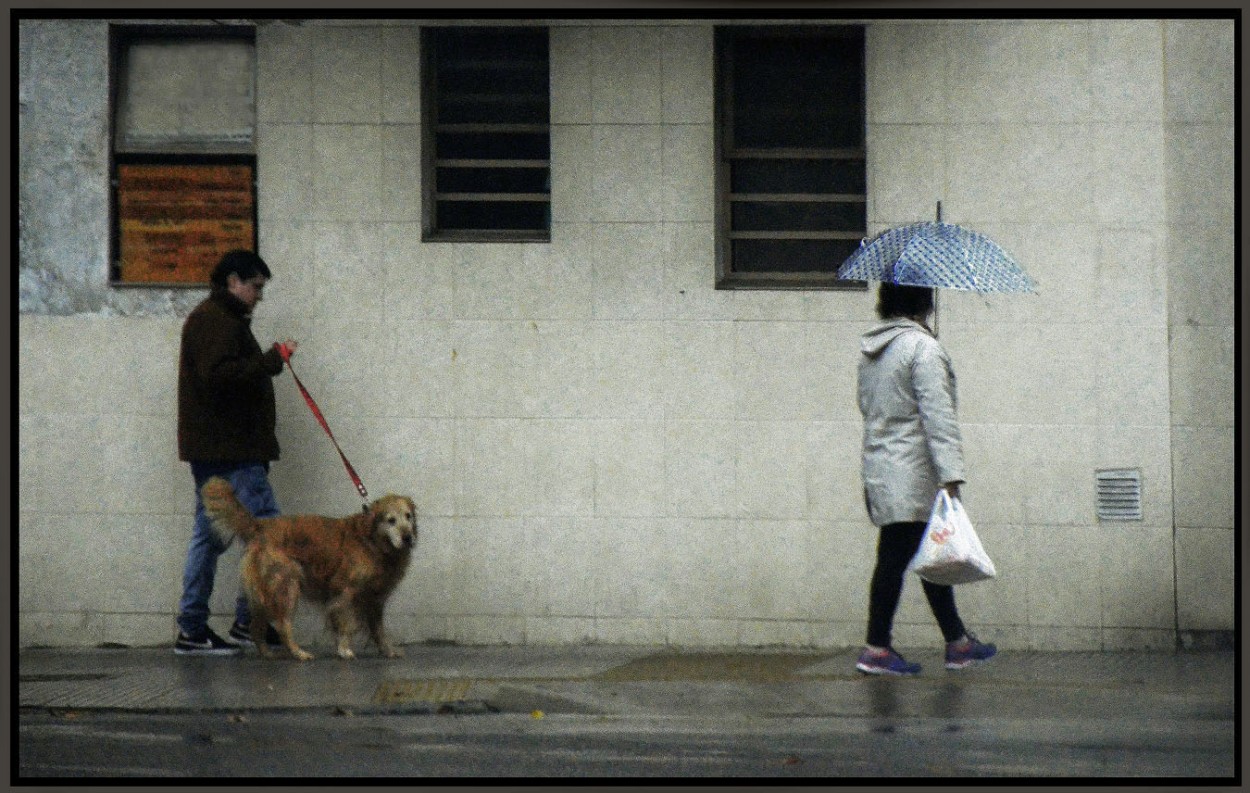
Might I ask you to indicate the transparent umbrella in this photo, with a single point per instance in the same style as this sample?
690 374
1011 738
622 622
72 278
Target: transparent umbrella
936 254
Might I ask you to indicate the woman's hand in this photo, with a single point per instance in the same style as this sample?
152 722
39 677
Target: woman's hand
952 490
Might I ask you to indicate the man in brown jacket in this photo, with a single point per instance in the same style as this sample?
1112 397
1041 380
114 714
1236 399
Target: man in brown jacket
226 427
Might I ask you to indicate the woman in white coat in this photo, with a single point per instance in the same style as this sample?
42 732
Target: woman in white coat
911 448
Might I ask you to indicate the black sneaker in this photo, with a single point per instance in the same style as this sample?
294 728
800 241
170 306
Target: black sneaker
243 635
208 644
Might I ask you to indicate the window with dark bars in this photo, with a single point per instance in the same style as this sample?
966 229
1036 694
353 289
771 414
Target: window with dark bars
791 172
487 157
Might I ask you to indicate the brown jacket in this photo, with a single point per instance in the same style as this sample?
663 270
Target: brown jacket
226 410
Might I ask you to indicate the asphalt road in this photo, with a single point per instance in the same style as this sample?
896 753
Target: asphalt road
598 712
329 744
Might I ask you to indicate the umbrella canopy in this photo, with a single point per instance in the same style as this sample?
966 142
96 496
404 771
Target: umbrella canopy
936 254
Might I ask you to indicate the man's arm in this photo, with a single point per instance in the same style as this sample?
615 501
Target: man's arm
221 359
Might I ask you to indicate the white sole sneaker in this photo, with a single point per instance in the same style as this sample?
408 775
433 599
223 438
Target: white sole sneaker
185 646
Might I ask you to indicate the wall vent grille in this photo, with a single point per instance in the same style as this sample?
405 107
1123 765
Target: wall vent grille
1119 494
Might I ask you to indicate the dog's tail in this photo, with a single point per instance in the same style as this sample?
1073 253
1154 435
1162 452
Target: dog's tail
230 518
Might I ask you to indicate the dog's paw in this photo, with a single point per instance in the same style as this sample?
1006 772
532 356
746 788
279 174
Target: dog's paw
303 655
392 652
346 653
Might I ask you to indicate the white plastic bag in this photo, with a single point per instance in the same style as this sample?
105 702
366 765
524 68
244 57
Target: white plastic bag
951 551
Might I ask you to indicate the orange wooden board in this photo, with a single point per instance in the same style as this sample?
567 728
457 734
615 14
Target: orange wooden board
177 220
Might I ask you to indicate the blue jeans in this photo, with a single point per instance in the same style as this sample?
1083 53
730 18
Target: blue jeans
251 485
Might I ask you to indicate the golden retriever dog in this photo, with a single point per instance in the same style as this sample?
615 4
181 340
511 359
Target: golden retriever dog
349 565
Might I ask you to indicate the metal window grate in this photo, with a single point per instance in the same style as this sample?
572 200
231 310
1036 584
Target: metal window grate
1119 494
791 167
487 152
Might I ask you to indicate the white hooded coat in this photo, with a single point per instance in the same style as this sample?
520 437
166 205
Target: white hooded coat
911 434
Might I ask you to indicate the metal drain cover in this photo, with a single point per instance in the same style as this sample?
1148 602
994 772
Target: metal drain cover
402 692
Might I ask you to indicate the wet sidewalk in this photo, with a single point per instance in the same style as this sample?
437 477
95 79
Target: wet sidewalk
624 680
1182 703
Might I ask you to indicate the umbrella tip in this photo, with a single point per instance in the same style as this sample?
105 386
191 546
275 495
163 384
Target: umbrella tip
939 212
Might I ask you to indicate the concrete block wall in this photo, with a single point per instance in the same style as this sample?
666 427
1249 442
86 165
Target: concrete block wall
1048 137
1198 110
604 447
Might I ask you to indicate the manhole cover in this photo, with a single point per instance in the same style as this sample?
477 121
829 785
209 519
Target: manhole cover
399 692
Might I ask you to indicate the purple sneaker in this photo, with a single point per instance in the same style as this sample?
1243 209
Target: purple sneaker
967 651
885 662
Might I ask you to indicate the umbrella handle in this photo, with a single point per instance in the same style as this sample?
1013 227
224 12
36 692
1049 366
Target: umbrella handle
935 291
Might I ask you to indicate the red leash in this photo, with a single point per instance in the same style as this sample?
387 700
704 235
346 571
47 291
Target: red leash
286 356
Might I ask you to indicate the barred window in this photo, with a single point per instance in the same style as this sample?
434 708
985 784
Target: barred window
183 170
791 173
487 134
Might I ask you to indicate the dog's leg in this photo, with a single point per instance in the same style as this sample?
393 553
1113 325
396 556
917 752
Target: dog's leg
260 622
286 631
372 609
253 584
273 584
339 612
286 593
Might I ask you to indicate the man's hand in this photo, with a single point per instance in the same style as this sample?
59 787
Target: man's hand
952 490
286 348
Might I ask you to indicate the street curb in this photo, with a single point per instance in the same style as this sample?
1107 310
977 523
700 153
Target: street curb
463 708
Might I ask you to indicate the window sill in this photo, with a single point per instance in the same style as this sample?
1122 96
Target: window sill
487 236
788 282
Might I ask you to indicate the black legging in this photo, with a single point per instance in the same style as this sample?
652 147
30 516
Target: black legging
896 545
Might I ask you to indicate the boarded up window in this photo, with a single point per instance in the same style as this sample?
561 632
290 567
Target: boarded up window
184 160
177 220
193 95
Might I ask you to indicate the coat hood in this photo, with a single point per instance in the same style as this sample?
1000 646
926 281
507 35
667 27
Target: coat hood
874 342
